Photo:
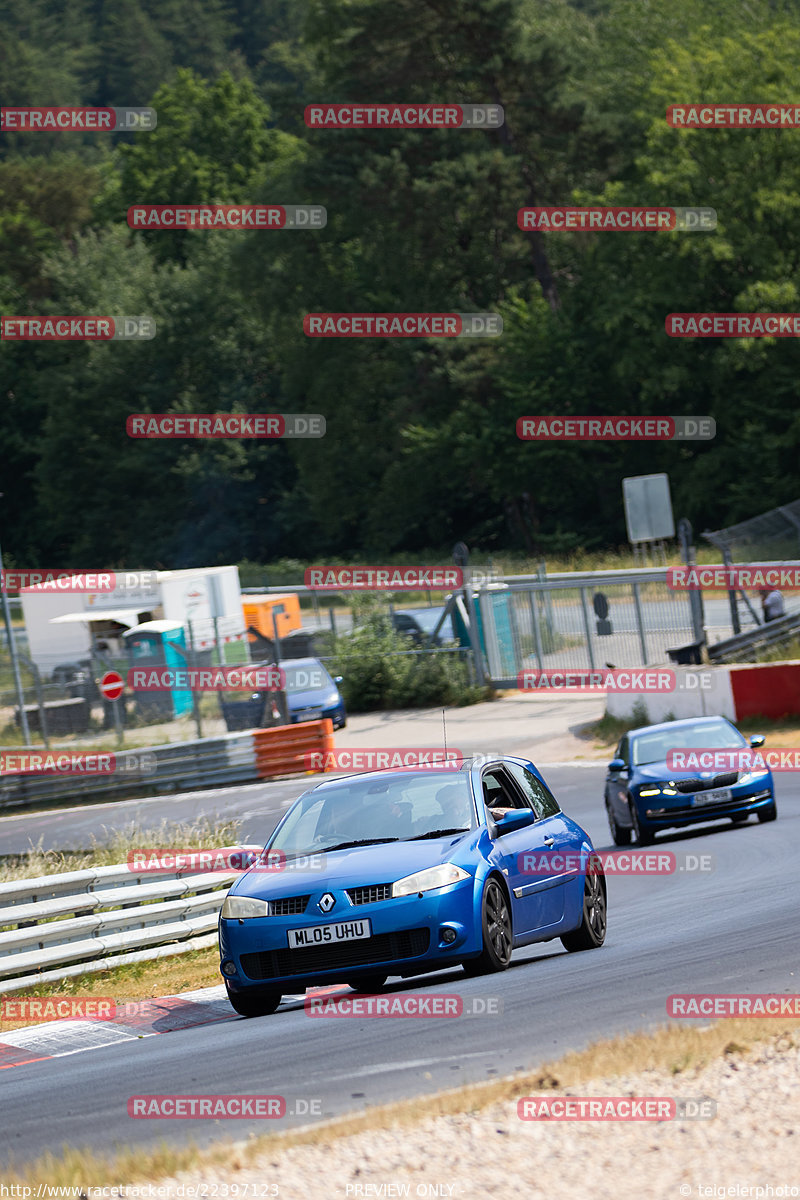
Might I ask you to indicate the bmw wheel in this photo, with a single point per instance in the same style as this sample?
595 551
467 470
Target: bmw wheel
497 935
591 933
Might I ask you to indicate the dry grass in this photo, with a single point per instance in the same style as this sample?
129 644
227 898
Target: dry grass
675 1049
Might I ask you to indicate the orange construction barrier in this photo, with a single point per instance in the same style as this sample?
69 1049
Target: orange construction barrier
283 750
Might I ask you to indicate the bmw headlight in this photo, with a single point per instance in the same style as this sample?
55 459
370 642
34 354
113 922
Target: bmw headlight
236 908
426 881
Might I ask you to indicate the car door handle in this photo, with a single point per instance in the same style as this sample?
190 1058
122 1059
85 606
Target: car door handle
548 841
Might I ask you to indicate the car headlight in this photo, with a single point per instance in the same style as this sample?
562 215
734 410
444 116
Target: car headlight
750 776
426 881
236 908
651 791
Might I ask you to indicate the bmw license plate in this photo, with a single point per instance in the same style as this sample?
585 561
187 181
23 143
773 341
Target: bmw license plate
321 935
718 796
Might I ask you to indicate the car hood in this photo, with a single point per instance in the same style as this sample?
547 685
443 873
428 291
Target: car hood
659 772
313 697
359 867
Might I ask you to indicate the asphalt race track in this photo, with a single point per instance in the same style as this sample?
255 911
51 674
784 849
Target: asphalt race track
733 928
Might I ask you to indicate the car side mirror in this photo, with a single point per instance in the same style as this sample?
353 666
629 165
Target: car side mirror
757 739
518 819
618 764
338 679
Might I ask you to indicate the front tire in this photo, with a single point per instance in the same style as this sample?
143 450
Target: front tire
768 814
591 933
255 1004
367 983
644 834
621 837
497 934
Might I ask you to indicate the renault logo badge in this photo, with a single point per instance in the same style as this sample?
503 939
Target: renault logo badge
326 903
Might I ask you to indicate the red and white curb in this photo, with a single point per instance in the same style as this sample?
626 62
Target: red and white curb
134 1020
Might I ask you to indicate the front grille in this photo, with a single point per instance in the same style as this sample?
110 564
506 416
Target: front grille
371 894
288 906
384 947
707 785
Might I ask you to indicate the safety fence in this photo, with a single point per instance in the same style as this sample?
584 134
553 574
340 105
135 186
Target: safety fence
60 926
181 766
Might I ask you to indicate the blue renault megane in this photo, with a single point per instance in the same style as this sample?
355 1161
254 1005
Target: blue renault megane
405 872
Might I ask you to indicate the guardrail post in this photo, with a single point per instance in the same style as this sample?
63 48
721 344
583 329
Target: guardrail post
587 626
637 603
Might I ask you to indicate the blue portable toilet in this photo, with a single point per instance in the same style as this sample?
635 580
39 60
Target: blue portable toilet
498 636
159 644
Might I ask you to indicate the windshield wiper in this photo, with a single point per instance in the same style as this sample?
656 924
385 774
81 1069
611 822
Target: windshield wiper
435 833
362 842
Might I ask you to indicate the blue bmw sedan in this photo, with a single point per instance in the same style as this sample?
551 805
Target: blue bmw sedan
404 872
644 792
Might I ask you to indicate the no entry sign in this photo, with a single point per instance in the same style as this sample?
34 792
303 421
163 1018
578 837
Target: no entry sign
111 685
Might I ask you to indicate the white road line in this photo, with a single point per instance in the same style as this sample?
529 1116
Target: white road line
409 1065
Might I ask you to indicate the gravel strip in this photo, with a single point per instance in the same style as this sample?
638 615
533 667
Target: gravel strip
753 1142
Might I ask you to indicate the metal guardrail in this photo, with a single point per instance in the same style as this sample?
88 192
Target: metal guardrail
81 922
232 758
740 648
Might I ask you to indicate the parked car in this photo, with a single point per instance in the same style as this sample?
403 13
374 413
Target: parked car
311 693
416 870
419 624
643 795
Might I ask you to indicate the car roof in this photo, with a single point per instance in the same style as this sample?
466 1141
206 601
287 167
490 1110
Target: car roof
670 725
301 662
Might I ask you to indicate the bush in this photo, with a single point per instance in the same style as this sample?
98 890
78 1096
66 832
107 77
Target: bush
378 675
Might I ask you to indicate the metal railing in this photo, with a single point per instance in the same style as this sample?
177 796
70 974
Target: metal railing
80 922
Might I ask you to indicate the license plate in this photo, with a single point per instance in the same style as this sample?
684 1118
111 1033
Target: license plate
322 935
718 796
310 714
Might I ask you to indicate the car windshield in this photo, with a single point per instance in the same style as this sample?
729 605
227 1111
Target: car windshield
396 806
306 677
654 747
428 618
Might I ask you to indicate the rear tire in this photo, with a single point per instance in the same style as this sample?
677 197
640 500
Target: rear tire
621 837
591 933
257 1004
497 934
768 814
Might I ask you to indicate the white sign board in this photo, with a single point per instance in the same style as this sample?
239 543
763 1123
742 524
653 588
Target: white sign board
648 508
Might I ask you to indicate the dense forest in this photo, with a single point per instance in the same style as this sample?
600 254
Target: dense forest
421 448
